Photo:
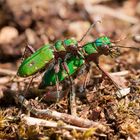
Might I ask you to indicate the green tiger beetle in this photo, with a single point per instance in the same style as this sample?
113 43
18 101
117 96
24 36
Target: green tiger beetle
69 56
60 51
91 52
43 56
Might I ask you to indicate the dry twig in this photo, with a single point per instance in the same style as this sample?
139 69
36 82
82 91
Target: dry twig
7 72
59 116
51 124
4 80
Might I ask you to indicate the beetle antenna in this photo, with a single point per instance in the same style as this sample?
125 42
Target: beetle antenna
121 39
121 46
116 41
89 30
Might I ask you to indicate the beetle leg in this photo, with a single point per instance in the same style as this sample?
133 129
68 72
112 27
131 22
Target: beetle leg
28 86
67 56
28 51
57 88
71 98
109 76
30 48
87 78
72 95
56 69
65 67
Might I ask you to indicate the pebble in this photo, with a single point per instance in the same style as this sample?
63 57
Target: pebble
8 34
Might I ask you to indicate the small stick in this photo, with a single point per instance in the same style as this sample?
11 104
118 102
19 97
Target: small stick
59 116
50 124
4 80
7 72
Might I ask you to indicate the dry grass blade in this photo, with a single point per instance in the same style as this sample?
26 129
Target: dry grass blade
50 124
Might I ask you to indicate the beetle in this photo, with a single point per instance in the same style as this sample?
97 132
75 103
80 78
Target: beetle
44 56
91 52
68 57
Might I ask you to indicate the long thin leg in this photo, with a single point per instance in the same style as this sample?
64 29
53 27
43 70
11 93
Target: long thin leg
87 77
88 31
32 50
57 88
28 48
26 90
28 86
72 95
56 69
72 100
109 76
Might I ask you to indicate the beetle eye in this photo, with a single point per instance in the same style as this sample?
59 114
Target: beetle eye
105 47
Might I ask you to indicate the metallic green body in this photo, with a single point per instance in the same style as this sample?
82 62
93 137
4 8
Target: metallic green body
36 61
70 42
104 40
88 49
93 47
63 45
73 64
59 46
44 55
